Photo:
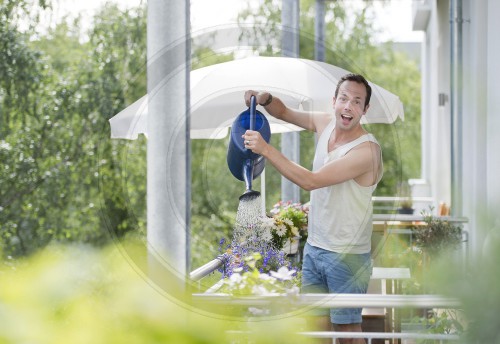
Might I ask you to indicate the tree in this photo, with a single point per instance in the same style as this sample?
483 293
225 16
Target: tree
351 44
55 106
58 90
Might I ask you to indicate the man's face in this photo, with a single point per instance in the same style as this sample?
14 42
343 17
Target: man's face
349 105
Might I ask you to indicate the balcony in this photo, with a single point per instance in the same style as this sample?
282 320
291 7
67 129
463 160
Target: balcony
384 306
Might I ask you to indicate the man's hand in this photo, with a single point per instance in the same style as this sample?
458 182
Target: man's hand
261 97
254 141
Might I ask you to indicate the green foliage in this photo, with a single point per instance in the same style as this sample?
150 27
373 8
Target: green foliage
79 294
441 322
437 236
62 178
433 239
289 222
250 281
474 283
350 44
83 295
400 141
206 233
214 199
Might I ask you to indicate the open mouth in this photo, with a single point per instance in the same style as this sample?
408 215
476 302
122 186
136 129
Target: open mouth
346 117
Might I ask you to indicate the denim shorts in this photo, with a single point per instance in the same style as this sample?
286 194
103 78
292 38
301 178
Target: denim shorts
330 272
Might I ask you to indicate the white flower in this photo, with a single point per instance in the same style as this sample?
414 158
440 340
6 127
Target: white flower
266 235
260 290
281 230
283 274
235 278
276 209
265 277
267 222
288 222
295 231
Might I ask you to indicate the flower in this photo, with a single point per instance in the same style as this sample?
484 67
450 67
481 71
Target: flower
281 230
264 276
235 279
283 274
267 235
255 262
267 222
261 289
252 281
289 221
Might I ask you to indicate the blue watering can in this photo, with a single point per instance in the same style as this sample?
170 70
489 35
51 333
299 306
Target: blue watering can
243 163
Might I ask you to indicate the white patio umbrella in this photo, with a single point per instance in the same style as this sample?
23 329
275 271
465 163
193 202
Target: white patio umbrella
217 95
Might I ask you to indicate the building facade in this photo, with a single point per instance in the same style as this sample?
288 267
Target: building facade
461 109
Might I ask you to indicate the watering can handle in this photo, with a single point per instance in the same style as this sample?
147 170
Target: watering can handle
253 105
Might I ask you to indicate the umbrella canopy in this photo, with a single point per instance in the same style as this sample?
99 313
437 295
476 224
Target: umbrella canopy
217 95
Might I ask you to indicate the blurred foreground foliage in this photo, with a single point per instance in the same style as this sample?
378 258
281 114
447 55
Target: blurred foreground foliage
470 276
79 294
476 286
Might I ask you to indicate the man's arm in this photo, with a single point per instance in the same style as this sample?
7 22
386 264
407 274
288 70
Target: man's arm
316 121
360 164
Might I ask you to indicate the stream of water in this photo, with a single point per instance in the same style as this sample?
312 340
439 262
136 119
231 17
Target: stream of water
251 233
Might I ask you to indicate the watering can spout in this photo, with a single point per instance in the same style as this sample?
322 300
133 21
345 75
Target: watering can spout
248 173
248 169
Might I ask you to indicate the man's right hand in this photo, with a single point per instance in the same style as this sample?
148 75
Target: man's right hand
260 97
313 121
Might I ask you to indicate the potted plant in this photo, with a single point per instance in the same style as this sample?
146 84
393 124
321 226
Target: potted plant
406 203
437 235
249 279
433 237
288 226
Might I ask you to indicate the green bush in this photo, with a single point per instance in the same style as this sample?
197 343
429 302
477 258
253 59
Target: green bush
78 294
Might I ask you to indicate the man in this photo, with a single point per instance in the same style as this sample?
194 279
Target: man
346 169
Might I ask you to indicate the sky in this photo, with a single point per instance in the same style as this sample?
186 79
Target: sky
394 19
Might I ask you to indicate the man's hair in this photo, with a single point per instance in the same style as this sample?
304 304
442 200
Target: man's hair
360 80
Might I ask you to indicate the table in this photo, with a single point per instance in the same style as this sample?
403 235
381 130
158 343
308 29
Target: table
392 278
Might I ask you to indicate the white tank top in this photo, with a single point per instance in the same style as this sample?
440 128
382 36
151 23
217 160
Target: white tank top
340 216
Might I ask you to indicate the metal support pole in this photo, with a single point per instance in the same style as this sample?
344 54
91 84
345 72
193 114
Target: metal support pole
168 150
290 142
319 31
456 21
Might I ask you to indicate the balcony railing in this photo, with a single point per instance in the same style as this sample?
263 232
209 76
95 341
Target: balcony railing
340 301
207 269
387 301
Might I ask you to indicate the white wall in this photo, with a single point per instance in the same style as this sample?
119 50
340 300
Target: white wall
493 111
475 114
480 101
481 118
436 160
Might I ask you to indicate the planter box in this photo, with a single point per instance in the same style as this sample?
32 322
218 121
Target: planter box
291 246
